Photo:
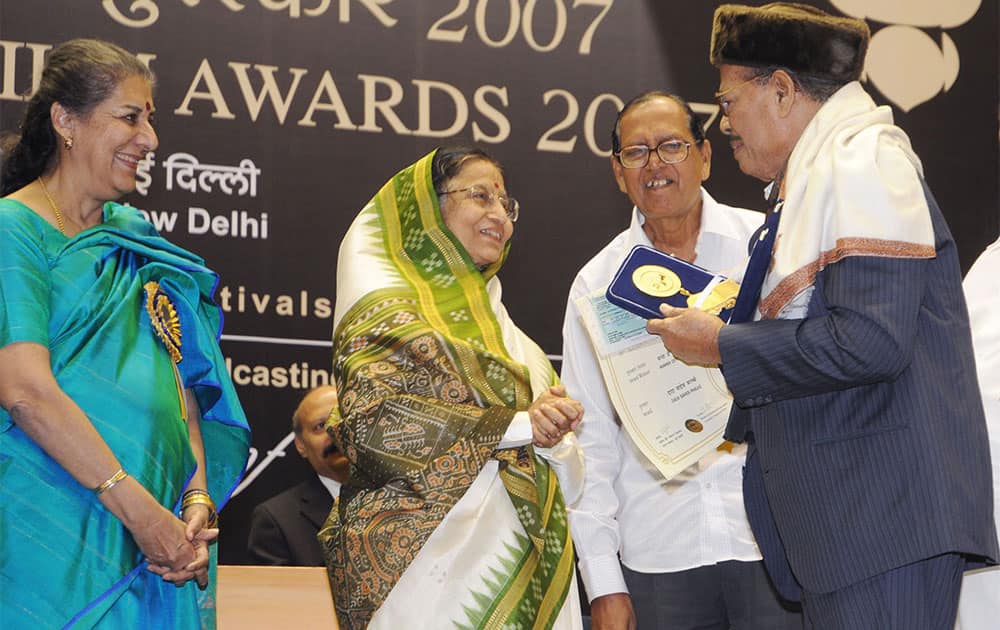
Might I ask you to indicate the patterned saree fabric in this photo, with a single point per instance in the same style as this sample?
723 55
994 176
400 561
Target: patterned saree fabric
428 386
65 560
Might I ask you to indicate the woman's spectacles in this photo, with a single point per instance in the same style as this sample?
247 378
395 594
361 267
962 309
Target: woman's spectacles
670 152
485 199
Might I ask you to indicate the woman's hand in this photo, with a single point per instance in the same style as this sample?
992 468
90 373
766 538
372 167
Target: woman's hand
163 540
161 536
199 536
197 517
553 415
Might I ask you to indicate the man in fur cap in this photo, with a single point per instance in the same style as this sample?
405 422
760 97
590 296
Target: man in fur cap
867 482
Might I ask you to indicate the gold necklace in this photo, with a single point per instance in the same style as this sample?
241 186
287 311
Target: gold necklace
55 208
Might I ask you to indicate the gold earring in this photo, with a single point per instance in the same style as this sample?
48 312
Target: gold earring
68 143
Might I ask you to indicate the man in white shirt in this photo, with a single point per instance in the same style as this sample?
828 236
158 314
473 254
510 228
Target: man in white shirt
652 552
980 600
283 529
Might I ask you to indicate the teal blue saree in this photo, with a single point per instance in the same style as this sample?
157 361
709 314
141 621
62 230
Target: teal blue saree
65 561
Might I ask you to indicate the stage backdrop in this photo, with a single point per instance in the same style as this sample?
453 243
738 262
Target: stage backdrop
279 119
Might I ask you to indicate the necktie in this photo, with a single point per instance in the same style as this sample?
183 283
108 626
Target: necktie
760 260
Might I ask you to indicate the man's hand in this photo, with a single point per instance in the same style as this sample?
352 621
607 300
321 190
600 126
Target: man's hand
612 612
690 334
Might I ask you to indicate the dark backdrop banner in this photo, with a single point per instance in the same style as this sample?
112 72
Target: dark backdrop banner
279 119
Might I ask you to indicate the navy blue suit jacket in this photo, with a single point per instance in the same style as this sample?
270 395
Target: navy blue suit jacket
283 529
867 422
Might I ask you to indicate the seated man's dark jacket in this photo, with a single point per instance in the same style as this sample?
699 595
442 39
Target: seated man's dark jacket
283 529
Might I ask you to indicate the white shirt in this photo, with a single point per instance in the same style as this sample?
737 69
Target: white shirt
332 486
982 294
627 507
980 600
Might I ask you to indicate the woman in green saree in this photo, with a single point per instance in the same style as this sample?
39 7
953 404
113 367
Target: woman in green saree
451 517
119 424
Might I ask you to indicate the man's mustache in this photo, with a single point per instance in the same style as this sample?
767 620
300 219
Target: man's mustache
331 450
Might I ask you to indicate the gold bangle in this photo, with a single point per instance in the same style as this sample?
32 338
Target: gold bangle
111 482
196 495
201 497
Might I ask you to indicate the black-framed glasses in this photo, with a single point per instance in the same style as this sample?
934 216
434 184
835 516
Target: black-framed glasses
669 151
723 102
485 198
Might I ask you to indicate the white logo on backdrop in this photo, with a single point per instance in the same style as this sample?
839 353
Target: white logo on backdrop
189 174
466 17
904 62
143 175
143 13
253 472
244 176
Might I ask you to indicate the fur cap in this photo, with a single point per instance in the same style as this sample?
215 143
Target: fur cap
795 36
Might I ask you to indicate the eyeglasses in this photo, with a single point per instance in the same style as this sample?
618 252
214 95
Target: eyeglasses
724 103
669 151
485 199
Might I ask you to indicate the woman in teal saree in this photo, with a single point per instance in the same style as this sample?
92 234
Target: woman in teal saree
119 424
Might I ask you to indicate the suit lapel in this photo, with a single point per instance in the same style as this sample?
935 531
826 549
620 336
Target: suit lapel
315 502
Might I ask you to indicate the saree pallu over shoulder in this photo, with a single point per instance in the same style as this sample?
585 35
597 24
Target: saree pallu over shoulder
66 560
427 390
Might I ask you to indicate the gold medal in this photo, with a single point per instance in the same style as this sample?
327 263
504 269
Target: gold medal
656 280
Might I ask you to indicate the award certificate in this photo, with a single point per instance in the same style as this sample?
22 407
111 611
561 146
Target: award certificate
674 412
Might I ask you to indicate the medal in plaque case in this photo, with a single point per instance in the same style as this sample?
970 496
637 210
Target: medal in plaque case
648 278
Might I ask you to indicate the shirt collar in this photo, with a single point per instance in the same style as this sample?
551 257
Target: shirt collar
713 221
332 485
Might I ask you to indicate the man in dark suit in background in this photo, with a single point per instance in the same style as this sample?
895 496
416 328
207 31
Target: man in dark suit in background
849 357
283 528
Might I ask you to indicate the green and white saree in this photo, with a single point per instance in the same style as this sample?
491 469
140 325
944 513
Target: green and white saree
451 518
